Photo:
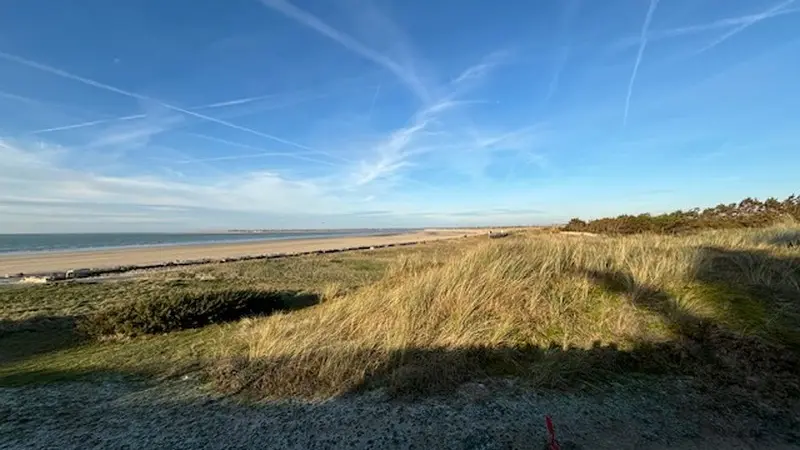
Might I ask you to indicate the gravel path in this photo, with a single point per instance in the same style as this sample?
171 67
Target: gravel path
181 415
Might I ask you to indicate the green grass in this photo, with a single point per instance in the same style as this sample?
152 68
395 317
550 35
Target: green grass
555 310
151 356
39 341
551 309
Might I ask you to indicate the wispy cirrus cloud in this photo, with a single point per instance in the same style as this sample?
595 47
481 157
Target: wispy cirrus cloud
133 134
407 75
384 113
391 155
397 150
34 187
34 175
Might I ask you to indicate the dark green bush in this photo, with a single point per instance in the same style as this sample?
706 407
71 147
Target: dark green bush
749 213
186 309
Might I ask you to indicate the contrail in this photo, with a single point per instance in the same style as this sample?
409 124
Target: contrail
18 97
238 101
374 99
560 63
315 23
262 152
723 23
89 123
236 157
99 85
642 45
691 29
563 35
71 126
775 10
235 102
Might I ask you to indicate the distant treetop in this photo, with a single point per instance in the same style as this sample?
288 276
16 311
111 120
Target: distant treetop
748 213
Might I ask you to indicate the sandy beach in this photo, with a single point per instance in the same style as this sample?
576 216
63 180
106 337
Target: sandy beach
38 263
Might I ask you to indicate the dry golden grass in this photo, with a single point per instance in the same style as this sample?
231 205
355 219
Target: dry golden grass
542 306
39 341
556 310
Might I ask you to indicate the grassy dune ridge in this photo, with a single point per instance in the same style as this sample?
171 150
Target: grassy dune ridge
538 306
554 310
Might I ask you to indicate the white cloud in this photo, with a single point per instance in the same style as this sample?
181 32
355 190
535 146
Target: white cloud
38 192
130 135
34 177
399 147
370 167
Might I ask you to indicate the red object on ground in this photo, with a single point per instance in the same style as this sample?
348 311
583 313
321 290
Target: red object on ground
552 443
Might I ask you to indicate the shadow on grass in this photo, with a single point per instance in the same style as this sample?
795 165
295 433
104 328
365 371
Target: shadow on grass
20 339
738 357
287 301
410 372
414 372
24 339
651 298
753 290
788 238
752 338
186 310
726 356
44 376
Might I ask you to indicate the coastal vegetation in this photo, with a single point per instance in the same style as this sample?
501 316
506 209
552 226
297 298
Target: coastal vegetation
748 213
553 310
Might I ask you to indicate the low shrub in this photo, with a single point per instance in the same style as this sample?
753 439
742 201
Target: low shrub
749 213
182 310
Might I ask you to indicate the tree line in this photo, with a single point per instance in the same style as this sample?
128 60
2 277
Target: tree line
748 213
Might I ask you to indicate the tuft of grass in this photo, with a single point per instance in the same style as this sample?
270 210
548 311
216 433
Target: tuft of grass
186 310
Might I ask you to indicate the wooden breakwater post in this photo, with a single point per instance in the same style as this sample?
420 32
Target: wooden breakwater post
497 234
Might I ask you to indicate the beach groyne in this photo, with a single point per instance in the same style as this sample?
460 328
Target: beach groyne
89 272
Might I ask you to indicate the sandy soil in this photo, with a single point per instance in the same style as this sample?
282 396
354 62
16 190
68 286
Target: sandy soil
61 261
647 414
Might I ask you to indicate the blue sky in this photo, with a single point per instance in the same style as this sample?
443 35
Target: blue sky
184 115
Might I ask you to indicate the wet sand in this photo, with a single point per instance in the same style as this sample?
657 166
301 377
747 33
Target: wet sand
45 262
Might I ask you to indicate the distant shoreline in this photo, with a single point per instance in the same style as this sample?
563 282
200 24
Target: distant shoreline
126 259
227 231
309 230
39 243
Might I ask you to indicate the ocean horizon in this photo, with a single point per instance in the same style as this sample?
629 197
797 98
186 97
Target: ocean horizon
63 242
